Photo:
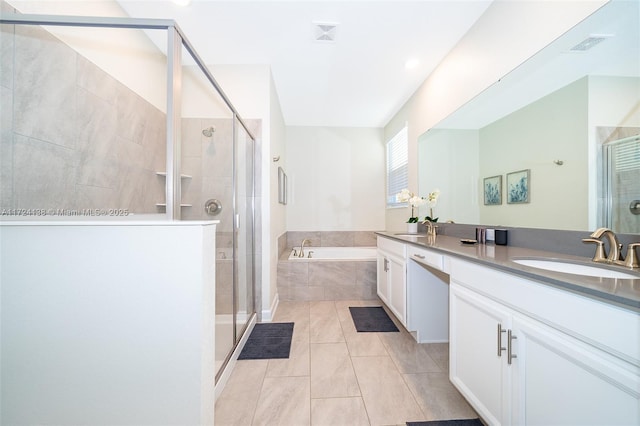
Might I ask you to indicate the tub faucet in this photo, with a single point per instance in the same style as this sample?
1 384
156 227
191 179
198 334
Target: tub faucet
614 245
301 254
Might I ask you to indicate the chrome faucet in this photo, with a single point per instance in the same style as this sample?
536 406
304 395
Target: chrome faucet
614 246
301 254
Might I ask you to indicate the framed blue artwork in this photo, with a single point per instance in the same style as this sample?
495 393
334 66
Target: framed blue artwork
493 191
518 186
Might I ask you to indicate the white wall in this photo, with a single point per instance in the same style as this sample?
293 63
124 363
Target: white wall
277 214
507 34
552 128
336 179
449 162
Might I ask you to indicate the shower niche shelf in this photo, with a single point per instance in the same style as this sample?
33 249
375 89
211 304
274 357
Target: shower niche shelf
181 176
164 205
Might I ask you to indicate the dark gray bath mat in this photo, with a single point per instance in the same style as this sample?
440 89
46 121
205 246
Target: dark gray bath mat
463 422
268 341
371 319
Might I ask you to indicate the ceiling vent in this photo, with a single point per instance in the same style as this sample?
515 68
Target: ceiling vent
325 31
590 42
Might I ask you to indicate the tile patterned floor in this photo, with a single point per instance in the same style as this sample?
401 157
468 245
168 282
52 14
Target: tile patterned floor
336 376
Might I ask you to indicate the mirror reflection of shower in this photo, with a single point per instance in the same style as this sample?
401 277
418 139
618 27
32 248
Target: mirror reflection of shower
208 132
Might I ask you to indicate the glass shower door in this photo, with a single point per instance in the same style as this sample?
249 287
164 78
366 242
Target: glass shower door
623 185
244 305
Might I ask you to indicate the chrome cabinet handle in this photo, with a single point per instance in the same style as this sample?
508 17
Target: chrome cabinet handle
386 265
510 354
419 256
500 331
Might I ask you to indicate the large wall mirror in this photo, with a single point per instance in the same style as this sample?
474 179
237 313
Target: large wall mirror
555 143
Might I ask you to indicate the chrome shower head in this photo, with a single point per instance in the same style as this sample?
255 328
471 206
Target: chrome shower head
208 132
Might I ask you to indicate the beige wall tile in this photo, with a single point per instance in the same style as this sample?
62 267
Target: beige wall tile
365 239
293 274
337 239
332 273
294 238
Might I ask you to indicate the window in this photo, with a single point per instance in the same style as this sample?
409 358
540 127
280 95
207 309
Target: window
397 167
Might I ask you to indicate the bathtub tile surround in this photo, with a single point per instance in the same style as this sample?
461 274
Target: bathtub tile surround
326 280
331 238
341 379
338 272
330 280
73 137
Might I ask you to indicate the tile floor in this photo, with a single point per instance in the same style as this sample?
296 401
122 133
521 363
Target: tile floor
336 376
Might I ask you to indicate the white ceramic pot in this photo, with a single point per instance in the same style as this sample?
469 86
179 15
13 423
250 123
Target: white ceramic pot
412 228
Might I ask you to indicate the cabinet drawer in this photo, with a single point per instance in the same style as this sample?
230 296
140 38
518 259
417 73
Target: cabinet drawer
391 246
427 257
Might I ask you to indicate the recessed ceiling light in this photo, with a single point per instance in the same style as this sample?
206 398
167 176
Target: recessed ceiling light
182 2
411 64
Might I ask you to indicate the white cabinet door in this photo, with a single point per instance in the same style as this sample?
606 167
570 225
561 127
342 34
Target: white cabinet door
477 367
382 278
397 288
561 381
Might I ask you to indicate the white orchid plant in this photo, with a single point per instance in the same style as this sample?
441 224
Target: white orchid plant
406 196
432 200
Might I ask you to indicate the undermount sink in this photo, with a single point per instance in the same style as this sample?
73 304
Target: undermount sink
568 267
405 234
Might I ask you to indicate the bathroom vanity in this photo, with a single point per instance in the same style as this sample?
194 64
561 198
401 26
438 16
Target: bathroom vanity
526 345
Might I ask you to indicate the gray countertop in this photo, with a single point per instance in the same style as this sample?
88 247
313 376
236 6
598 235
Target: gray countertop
622 292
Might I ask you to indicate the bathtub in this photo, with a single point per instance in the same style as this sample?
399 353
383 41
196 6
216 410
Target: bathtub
335 253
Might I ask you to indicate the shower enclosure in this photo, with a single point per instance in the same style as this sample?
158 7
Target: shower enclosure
120 117
621 160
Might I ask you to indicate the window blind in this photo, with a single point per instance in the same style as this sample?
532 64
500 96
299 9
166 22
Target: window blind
627 156
397 167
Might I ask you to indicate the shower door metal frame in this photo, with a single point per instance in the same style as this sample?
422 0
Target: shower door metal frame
176 41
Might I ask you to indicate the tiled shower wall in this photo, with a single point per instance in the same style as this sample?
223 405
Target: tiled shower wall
72 137
208 161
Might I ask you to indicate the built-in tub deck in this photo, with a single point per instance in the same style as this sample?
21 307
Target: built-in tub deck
331 273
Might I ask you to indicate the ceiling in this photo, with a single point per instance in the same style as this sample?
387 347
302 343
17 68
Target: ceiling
359 80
